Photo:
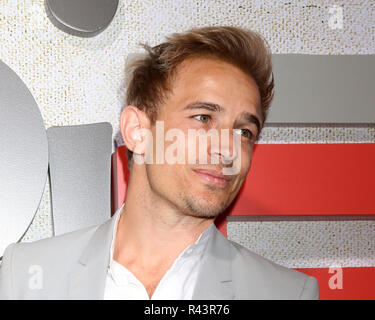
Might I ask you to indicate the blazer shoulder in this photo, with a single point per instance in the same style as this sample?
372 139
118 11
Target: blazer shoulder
272 280
53 249
54 255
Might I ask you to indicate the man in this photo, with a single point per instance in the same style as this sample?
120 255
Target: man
162 243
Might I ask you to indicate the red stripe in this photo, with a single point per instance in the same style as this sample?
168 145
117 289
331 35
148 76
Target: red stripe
309 179
120 177
357 283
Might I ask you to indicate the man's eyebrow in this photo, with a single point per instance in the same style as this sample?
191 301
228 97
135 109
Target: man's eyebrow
247 116
204 105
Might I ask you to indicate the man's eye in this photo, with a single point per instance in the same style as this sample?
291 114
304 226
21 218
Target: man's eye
205 118
245 133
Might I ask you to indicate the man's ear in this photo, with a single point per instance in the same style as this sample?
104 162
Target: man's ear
132 121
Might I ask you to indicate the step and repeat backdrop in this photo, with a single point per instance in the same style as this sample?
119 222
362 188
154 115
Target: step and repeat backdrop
324 62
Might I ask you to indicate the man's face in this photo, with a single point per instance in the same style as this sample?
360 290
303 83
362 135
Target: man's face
207 94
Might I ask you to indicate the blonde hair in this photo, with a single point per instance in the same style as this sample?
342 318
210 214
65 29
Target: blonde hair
149 76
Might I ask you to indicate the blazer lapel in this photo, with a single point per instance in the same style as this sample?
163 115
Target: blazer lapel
215 276
87 279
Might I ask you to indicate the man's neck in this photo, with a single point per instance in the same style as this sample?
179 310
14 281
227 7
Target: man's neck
151 234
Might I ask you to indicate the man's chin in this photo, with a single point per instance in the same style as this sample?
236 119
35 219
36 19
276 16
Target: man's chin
203 208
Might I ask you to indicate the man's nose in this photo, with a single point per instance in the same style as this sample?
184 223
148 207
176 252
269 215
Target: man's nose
226 148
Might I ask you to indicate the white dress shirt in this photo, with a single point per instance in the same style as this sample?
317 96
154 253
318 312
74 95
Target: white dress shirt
177 284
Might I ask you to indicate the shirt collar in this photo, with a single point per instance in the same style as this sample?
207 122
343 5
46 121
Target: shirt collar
198 246
111 261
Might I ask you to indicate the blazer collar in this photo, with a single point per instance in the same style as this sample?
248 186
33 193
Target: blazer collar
87 279
215 275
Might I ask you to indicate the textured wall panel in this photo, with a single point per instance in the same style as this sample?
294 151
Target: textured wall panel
306 244
80 171
323 89
23 157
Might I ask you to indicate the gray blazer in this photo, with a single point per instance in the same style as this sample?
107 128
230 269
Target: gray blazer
74 266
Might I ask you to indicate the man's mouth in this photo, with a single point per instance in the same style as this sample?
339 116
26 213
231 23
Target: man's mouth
213 176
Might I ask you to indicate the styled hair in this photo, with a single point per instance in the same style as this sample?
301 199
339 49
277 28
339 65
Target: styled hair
150 75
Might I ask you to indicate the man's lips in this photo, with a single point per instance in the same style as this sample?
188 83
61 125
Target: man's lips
213 176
